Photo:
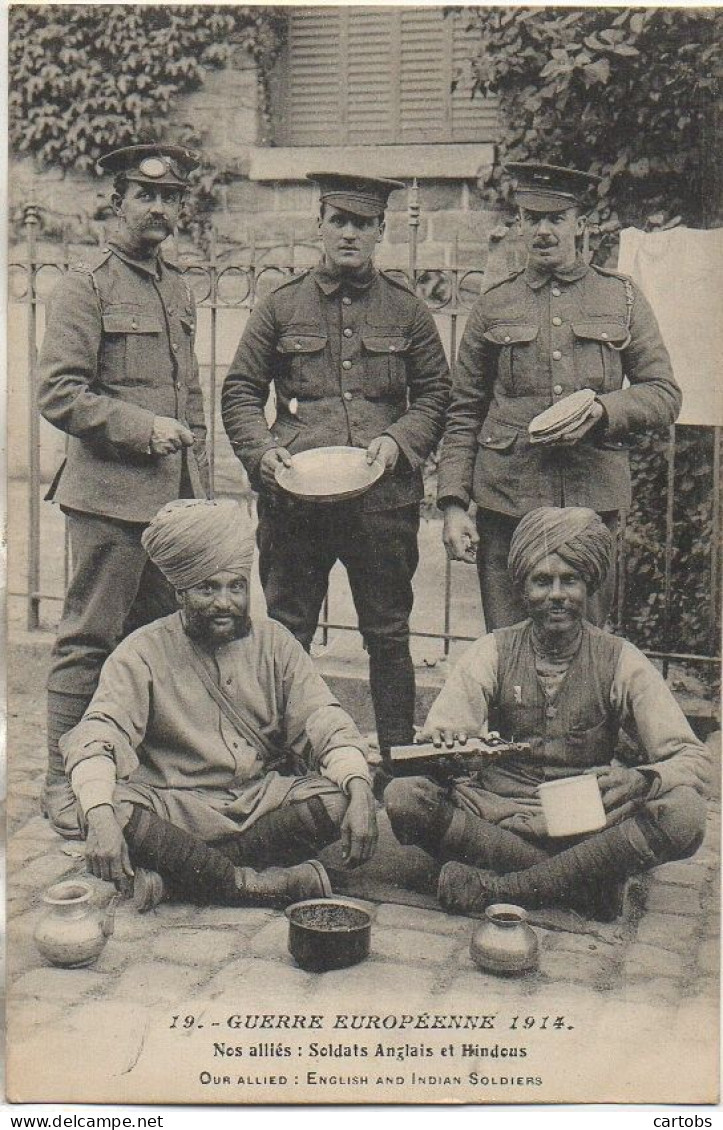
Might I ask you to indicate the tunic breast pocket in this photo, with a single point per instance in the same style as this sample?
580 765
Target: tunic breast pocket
130 343
385 366
302 366
517 367
597 347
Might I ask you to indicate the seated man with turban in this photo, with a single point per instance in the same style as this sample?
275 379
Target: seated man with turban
189 765
568 689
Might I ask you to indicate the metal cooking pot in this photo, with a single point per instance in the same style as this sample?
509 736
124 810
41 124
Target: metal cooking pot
328 933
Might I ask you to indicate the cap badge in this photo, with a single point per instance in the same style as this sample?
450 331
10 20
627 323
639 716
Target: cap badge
153 167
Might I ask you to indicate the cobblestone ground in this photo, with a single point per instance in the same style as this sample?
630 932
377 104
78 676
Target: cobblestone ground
642 993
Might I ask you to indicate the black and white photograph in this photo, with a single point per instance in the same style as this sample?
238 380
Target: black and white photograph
364 554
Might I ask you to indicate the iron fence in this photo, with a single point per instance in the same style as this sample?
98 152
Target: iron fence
225 280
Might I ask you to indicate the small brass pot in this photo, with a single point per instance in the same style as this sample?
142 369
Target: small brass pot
504 942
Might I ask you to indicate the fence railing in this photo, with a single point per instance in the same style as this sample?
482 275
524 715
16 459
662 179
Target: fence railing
233 281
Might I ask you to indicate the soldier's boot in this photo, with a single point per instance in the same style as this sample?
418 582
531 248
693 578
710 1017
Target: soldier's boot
421 814
57 801
194 869
280 886
606 857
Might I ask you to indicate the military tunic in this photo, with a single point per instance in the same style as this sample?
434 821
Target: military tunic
531 340
118 351
351 359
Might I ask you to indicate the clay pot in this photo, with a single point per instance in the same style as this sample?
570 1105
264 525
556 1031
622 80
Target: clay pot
72 932
504 942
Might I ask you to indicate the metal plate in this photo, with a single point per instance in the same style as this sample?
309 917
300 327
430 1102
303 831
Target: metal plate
329 474
571 409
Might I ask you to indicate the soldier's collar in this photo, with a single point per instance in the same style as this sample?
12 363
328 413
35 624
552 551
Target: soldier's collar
152 266
330 280
536 277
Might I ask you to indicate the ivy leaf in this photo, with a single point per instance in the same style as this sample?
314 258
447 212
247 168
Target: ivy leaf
599 71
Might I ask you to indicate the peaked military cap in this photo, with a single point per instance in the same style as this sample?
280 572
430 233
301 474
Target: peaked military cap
551 188
151 164
362 196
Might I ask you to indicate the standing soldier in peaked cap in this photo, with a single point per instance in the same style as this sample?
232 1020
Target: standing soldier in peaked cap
118 373
356 360
558 326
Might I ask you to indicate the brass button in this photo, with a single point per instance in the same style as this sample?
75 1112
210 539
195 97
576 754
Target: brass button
348 332
557 390
347 396
229 681
507 337
556 355
550 712
297 345
346 364
346 300
556 291
134 324
557 321
604 336
175 348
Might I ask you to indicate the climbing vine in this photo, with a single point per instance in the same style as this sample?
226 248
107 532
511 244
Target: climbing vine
85 79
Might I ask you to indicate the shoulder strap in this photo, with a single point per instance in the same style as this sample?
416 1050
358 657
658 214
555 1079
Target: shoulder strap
227 708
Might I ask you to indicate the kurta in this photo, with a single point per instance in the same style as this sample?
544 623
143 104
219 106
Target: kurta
609 686
175 751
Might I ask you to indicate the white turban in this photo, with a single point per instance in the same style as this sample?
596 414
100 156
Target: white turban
576 534
193 538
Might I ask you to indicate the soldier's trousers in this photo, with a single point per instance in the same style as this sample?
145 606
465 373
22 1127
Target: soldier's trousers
113 590
299 544
501 602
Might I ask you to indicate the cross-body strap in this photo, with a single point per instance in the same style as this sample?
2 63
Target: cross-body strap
227 708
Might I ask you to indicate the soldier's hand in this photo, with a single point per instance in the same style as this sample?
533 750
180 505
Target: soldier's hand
106 851
384 450
169 435
460 535
620 784
359 827
271 460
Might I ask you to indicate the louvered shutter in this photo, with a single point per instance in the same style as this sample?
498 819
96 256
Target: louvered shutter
378 76
313 86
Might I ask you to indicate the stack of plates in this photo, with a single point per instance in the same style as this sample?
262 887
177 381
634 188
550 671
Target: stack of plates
329 474
562 417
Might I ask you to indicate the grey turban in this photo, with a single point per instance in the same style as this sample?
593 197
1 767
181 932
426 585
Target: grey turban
191 539
576 534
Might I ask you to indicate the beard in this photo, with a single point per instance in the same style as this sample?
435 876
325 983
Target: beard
212 632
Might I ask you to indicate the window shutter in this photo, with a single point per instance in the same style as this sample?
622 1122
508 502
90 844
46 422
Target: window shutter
379 76
314 78
369 74
423 67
